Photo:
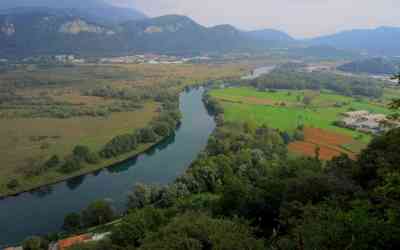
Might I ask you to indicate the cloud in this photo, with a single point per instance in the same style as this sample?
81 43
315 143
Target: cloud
301 18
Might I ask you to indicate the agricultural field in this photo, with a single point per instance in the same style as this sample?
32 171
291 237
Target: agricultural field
315 111
48 110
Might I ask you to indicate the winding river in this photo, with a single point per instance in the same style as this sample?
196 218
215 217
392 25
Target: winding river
42 211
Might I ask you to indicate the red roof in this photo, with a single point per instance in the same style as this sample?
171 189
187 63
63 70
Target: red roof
65 243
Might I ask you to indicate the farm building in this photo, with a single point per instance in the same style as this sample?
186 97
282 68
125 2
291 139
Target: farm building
366 122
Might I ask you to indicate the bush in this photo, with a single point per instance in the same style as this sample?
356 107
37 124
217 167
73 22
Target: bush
97 213
53 162
119 145
147 135
35 243
72 222
70 165
162 129
81 152
12 184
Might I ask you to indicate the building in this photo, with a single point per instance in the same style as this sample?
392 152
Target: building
66 243
367 122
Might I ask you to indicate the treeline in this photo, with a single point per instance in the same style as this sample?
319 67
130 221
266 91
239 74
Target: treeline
283 78
376 66
246 192
161 127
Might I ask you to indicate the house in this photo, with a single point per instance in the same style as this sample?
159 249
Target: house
65 243
366 122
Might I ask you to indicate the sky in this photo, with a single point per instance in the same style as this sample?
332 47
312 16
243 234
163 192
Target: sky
300 18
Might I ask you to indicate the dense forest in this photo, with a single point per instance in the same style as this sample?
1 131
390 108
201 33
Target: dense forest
377 66
245 192
287 77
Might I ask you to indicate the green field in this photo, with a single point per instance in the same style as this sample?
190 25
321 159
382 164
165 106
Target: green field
248 104
48 110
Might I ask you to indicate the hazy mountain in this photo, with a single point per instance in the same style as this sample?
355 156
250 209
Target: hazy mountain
321 52
380 41
94 10
53 32
49 31
371 66
271 35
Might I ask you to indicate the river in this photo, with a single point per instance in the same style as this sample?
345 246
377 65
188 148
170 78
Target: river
42 211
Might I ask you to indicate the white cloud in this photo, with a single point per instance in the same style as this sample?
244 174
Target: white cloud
300 18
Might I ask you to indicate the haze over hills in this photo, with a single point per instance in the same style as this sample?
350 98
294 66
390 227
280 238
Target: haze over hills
35 31
273 35
95 27
379 41
94 10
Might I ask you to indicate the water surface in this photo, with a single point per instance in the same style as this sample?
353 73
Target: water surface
43 211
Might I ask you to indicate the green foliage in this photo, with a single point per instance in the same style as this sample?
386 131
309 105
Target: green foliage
289 79
147 135
12 184
35 243
71 164
136 226
97 213
119 145
374 66
198 231
53 162
162 129
380 158
72 222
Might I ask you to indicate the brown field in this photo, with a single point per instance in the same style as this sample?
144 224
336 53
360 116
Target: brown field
25 142
330 144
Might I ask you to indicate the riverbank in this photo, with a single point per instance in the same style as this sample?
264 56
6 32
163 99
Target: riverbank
55 178
42 212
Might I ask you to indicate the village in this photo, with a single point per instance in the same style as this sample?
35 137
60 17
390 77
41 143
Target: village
367 122
71 241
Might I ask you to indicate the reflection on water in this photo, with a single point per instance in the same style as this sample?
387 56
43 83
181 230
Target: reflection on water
42 211
74 183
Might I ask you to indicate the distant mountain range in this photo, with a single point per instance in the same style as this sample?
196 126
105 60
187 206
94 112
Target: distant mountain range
94 27
93 10
38 30
380 41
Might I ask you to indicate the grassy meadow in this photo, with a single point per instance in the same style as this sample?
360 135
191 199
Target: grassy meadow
285 110
30 135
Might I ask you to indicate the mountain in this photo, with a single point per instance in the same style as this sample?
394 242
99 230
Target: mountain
93 10
181 35
376 66
321 52
380 41
35 31
25 34
272 35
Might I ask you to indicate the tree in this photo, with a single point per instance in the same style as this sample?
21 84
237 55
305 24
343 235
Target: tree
12 184
70 165
81 153
162 129
72 222
53 162
198 231
35 243
136 225
140 197
97 213
395 104
147 135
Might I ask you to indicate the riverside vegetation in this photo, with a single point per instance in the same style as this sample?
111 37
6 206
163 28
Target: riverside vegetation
245 192
59 121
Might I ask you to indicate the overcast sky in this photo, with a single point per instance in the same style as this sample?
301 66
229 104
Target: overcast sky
300 18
